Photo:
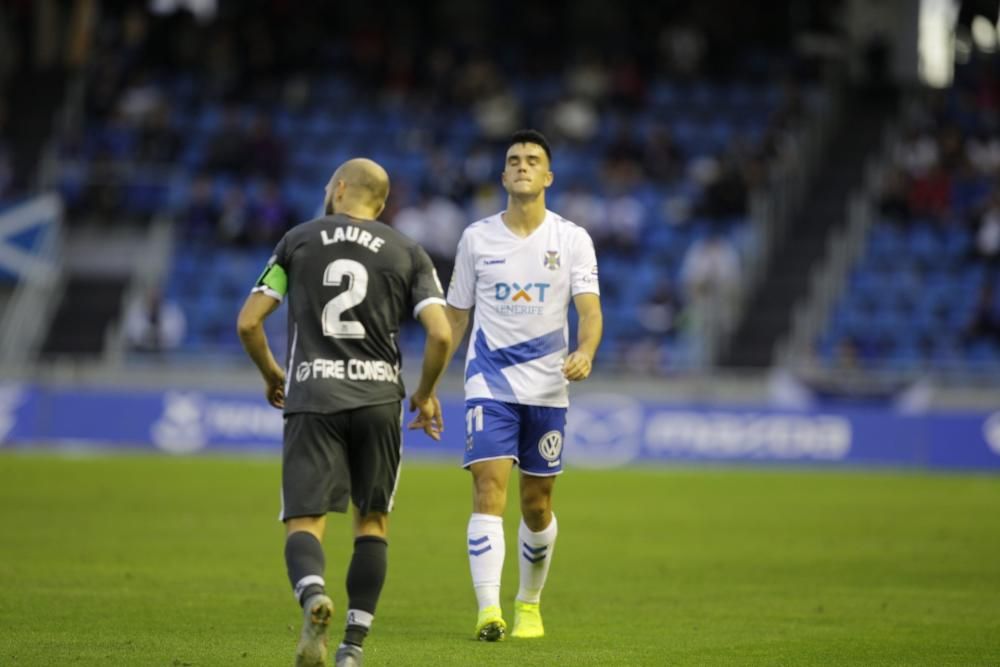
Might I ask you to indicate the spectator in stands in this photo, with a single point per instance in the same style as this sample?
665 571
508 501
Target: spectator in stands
229 149
140 100
495 108
105 74
951 149
152 324
574 118
233 221
436 223
983 149
930 194
498 114
588 77
223 65
411 220
894 202
586 209
682 48
658 312
985 322
266 151
662 159
628 85
917 152
623 148
725 194
102 200
486 199
969 190
272 216
201 217
791 107
621 167
477 168
710 275
986 94
626 217
444 175
259 50
158 142
987 240
475 79
644 356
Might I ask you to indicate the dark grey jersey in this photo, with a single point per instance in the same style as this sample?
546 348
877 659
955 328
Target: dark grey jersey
349 284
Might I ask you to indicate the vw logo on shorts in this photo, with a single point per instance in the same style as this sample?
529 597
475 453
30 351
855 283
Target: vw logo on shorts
550 445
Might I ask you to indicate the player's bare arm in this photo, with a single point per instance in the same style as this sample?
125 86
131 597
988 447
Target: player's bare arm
458 319
250 327
578 364
437 353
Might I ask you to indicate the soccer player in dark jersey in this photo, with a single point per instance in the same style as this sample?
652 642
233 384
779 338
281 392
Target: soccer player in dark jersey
349 281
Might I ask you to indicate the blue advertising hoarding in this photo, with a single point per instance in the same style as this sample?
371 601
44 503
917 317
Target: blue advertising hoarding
603 430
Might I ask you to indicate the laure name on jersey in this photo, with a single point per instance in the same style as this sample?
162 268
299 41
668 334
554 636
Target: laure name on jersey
354 235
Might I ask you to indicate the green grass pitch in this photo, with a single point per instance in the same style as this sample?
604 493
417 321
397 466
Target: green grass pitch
150 560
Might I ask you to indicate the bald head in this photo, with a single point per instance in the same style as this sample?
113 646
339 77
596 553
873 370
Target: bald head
358 188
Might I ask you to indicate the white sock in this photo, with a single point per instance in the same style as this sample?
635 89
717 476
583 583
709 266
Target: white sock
486 551
534 556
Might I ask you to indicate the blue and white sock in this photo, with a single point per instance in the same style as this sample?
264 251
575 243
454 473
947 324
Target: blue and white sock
534 558
486 551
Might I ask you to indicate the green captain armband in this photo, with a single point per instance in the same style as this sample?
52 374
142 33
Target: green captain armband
273 279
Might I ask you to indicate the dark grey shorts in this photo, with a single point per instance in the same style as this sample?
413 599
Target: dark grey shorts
328 459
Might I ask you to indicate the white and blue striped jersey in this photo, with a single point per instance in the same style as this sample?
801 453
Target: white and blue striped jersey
521 289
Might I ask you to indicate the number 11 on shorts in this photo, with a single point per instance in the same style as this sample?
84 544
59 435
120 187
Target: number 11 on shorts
474 419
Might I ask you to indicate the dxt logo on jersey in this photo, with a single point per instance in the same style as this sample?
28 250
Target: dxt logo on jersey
517 292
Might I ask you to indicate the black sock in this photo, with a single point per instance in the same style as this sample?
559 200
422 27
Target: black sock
365 577
305 561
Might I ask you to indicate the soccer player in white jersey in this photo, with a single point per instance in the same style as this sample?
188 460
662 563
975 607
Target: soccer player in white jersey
519 269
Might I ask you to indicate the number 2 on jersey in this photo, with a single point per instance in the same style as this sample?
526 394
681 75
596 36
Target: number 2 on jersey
357 289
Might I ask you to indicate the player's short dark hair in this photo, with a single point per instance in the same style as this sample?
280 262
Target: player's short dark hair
532 137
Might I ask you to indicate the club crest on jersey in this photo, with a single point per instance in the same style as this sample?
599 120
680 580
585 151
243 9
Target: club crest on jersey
550 445
552 260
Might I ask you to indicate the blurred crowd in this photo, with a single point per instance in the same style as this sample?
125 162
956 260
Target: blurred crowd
945 167
254 62
943 179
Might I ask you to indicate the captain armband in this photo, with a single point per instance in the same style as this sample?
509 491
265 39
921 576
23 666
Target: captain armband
273 281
